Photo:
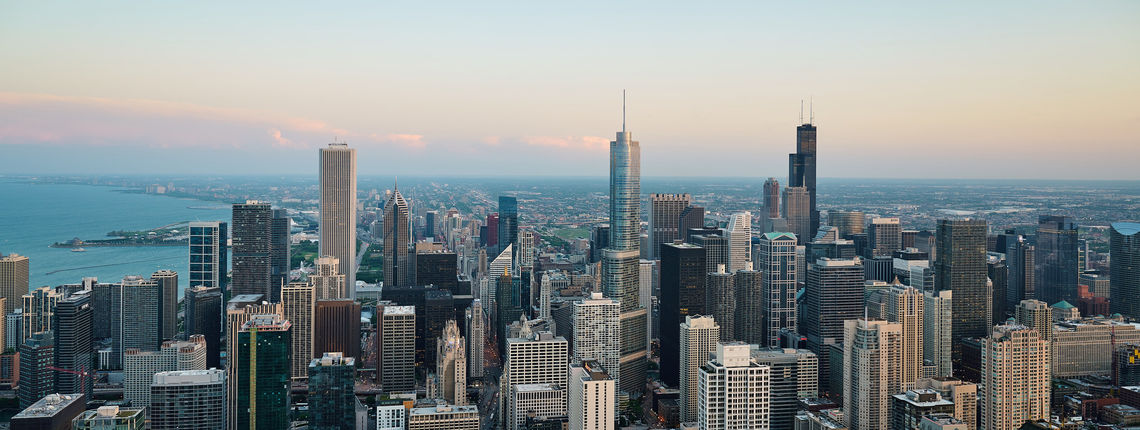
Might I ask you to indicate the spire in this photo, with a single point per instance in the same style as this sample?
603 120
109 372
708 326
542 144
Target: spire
396 184
811 110
623 110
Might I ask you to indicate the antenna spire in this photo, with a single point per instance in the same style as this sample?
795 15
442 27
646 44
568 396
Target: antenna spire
811 111
396 184
801 111
623 110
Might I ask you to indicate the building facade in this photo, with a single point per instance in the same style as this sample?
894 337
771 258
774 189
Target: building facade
337 228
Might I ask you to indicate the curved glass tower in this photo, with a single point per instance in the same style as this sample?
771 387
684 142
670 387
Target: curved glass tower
620 262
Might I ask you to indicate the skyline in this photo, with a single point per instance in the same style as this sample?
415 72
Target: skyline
1021 92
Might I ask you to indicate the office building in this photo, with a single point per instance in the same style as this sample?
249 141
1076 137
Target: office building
391 415
141 302
139 367
444 417
693 217
885 237
833 294
872 355
848 222
739 235
110 417
909 408
74 348
397 239
592 397
770 207
1124 268
397 348
262 366
664 220
1021 276
698 338
451 365
787 367
1126 365
683 275
188 399
526 249
202 310
38 311
716 250
167 282
963 394
960 265
1084 347
13 278
332 401
721 302
298 307
776 262
1015 377
797 212
535 402
209 254
37 356
336 327
10 367
1037 315
1056 259
476 338
52 412
941 422
537 359
596 335
508 230
327 280
750 304
338 210
251 246
905 306
937 338
732 390
801 171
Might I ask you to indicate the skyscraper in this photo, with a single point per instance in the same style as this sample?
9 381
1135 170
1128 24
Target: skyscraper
262 363
801 169
508 222
327 279
664 220
397 356
13 278
338 209
739 234
140 320
848 222
336 327
451 365
332 401
39 311
771 200
1124 268
750 303
188 399
797 212
833 293
37 354
960 265
1056 259
167 281
716 250
592 397
203 316
298 303
682 294
74 349
139 367
692 217
733 391
699 336
1037 315
793 376
937 337
1015 377
620 261
279 252
872 355
209 255
476 330
252 240
776 259
905 306
885 237
540 359
397 238
526 249
721 302
1020 261
596 325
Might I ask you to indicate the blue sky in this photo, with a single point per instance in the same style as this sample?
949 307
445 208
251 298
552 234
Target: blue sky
901 89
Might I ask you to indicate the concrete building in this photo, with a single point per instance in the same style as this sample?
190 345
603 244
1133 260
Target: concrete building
963 394
722 302
391 415
298 305
444 417
1015 377
908 409
537 358
592 397
332 399
188 399
535 402
750 304
699 336
51 412
906 307
13 279
872 355
937 338
596 332
476 333
110 417
167 281
451 365
37 355
38 311
733 391
1084 347
328 281
797 211
397 348
739 234
884 237
336 327
941 422
1035 314
139 367
338 209
252 249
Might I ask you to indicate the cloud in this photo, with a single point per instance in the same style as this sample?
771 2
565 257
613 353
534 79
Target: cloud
578 142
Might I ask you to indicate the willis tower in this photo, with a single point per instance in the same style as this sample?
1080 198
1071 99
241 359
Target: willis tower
801 171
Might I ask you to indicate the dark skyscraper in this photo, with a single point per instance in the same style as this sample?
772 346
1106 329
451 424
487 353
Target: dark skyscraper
74 323
683 273
692 217
438 269
279 254
848 222
332 403
37 354
203 315
771 198
1021 281
167 281
508 223
833 293
1124 268
397 239
336 328
1056 261
960 266
261 368
430 219
252 232
664 218
491 239
797 213
801 169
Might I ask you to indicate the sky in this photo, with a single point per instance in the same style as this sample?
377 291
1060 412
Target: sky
1046 89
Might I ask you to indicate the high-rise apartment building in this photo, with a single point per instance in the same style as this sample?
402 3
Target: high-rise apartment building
1015 377
592 397
698 338
397 355
261 364
1037 315
139 367
739 235
596 335
141 318
451 365
38 311
905 306
167 282
338 210
252 243
397 239
37 355
797 212
202 309
298 305
960 265
476 332
13 278
776 262
750 302
664 220
1056 259
872 355
74 347
884 238
733 392
683 275
848 222
209 254
327 279
721 302
1124 268
833 293
332 401
937 338
188 399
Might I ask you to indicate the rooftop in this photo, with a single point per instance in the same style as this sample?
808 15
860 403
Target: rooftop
399 310
49 405
1126 228
189 377
443 409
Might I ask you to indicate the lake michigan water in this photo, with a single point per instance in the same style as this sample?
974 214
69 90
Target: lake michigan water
33 216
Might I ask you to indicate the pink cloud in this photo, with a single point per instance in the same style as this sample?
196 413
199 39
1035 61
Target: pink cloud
583 142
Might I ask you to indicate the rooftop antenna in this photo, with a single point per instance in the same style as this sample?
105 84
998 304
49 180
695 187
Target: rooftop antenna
396 183
801 111
623 110
811 111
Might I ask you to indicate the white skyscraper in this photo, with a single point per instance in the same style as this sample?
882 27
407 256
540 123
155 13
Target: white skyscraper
338 209
498 266
139 367
328 282
398 348
476 330
739 234
526 248
937 342
541 359
645 280
593 397
733 392
596 332
1015 377
451 365
699 337
298 303
872 352
539 401
545 293
905 306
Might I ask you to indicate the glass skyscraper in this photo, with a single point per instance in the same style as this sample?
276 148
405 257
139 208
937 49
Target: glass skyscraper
621 261
1124 268
209 256
1056 259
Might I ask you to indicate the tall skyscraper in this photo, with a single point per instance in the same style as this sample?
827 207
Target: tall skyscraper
476 332
239 311
336 327
338 210
683 274
167 281
793 376
885 237
1015 377
833 293
279 252
1124 268
1020 261
596 335
188 399
1056 259
739 234
771 200
252 243
750 302
327 279
262 364
13 278
139 367
937 338
872 355
848 222
905 306
801 169
451 365
733 391
1037 315
38 311
699 336
209 254
620 261
203 316
960 265
140 306
540 359
397 344
298 302
592 397
526 249
74 349
692 217
332 401
664 220
397 239
37 355
508 222
776 259
797 212
721 302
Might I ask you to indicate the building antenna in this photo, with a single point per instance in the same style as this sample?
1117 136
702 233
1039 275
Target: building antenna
811 111
801 111
396 183
623 110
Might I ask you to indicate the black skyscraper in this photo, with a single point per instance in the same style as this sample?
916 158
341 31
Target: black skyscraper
278 254
960 266
833 293
683 273
801 167
508 223
203 315
1056 260
252 248
74 350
